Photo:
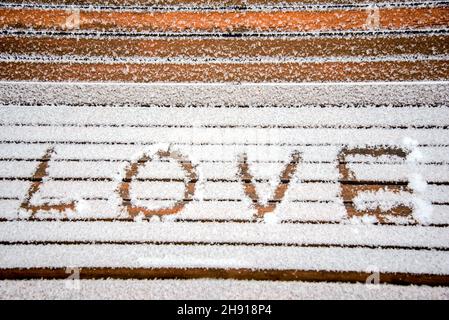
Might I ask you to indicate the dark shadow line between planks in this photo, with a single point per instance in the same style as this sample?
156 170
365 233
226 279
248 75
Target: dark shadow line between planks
222 243
85 142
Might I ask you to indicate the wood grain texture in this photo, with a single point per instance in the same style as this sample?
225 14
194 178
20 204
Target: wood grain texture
228 273
220 3
214 21
227 72
367 46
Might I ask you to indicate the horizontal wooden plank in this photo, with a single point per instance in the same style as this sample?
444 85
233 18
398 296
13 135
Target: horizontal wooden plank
224 256
367 46
314 117
225 232
210 21
226 273
212 3
112 171
276 136
211 289
221 211
197 211
228 72
216 190
215 95
238 208
207 153
299 276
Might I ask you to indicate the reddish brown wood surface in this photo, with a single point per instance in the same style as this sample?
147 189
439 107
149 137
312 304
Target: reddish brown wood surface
227 72
210 21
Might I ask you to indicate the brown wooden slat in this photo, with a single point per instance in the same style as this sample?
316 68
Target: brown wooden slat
221 3
228 273
213 21
227 72
228 47
348 191
403 18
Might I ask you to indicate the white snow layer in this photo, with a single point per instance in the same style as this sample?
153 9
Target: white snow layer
339 116
226 94
224 256
217 135
210 126
226 232
203 289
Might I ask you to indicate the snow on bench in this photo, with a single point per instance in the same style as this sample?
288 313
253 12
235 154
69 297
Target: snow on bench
303 140
157 187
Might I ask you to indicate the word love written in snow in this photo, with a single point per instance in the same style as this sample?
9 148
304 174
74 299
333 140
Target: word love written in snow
349 191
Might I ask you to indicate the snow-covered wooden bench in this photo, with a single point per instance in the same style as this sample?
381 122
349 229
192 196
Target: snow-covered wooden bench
303 140
306 182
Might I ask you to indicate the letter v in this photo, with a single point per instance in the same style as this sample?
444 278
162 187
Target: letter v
279 192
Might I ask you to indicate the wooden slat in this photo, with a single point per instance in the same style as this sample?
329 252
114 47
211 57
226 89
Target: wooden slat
213 213
394 94
220 3
286 21
207 289
229 48
78 155
421 263
225 273
230 233
188 117
331 191
227 72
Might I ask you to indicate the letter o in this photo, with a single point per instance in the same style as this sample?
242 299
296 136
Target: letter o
132 171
